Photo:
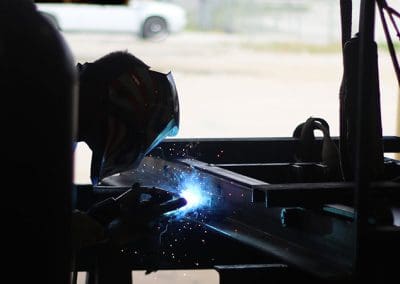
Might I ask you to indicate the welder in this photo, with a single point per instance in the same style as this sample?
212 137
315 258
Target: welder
125 110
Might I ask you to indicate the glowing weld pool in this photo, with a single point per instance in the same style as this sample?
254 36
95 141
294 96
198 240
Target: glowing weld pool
196 191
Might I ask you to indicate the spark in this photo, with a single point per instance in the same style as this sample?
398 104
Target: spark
193 196
194 189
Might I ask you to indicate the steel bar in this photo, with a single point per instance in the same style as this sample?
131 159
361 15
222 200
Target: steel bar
304 194
362 259
245 150
318 194
238 274
318 262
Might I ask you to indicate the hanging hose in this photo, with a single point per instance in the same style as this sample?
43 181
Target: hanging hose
383 6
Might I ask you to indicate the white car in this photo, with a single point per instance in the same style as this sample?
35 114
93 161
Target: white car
148 19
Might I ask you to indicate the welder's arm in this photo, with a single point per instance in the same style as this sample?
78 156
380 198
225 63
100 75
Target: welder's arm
133 214
140 211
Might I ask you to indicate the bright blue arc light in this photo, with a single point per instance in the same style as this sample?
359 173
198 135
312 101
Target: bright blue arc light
193 197
194 189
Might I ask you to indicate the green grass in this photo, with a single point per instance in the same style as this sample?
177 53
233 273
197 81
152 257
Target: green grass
384 46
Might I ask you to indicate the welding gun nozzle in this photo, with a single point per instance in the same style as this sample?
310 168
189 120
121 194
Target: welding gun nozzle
172 205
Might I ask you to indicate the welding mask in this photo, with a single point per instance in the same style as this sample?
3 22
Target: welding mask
142 110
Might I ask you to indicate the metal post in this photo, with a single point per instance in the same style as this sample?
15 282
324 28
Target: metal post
398 121
363 157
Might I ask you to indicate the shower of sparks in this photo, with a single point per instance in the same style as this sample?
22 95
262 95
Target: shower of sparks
193 197
195 190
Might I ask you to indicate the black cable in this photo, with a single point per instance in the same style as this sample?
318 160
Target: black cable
382 4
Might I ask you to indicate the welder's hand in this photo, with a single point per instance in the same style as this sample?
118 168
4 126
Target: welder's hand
140 212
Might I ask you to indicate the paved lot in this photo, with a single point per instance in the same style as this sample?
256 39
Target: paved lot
240 86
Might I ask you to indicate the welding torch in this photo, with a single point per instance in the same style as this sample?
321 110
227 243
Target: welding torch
138 202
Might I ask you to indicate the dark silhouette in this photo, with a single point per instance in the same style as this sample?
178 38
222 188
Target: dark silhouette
39 123
38 83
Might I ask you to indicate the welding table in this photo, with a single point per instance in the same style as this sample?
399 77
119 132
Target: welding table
273 218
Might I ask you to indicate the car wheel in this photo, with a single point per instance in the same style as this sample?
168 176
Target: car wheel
154 28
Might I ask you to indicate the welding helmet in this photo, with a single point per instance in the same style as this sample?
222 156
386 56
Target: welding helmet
142 109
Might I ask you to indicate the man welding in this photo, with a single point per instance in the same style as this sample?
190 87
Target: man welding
125 110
